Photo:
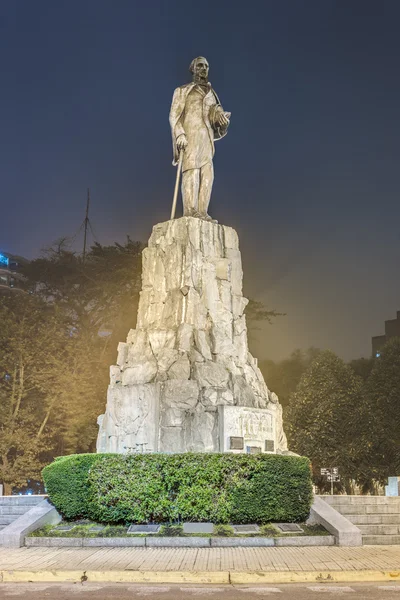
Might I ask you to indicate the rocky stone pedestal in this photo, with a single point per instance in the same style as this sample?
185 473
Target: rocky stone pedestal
188 355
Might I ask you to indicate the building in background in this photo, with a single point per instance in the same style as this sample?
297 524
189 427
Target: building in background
392 329
11 279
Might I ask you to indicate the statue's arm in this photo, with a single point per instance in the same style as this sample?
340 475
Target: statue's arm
179 141
219 120
175 115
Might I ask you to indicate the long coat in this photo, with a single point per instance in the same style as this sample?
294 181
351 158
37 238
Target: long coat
211 108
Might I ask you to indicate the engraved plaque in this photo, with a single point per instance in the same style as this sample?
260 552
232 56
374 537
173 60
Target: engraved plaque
289 527
63 528
148 529
269 446
253 450
236 443
246 529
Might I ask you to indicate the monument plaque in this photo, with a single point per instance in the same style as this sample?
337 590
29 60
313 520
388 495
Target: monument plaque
236 443
246 529
255 426
253 449
289 527
269 446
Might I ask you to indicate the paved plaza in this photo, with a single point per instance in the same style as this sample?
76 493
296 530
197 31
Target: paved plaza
204 565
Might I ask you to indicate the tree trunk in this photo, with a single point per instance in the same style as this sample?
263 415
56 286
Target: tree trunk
7 489
46 418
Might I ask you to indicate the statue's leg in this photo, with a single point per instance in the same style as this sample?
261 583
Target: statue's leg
190 191
206 183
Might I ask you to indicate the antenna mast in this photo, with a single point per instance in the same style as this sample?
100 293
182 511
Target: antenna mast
86 225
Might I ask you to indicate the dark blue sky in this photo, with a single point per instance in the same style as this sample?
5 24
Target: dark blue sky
308 175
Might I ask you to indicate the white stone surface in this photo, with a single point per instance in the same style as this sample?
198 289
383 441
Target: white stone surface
187 363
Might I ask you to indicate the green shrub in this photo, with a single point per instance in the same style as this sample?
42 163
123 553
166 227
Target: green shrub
142 488
252 500
66 481
269 530
171 530
112 531
223 530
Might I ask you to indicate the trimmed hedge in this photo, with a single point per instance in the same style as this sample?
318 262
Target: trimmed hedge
221 488
66 481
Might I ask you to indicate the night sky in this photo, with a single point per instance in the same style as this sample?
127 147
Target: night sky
308 174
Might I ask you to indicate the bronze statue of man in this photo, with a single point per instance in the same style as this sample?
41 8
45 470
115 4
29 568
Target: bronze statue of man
197 119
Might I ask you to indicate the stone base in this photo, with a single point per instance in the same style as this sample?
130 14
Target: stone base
188 356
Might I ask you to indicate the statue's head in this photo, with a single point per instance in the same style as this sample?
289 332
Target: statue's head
199 67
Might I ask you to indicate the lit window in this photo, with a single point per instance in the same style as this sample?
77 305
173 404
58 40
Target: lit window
377 354
3 259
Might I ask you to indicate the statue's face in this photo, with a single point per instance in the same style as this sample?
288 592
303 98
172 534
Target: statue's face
201 69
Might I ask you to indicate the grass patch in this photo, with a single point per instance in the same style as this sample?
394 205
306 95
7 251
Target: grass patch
82 528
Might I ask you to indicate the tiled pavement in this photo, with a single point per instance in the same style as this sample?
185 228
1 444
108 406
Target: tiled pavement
383 558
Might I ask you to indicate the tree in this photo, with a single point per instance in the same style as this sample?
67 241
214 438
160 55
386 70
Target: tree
32 339
283 377
322 418
256 313
98 299
100 292
362 367
381 435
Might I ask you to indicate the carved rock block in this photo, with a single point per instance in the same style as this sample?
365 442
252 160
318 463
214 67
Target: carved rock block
188 355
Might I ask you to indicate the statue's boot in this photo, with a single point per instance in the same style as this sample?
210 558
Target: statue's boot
207 217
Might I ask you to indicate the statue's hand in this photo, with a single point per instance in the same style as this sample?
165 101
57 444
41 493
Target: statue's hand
181 142
223 119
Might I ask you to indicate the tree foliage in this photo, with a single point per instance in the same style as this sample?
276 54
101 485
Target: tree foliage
381 434
349 416
283 377
32 350
56 346
322 420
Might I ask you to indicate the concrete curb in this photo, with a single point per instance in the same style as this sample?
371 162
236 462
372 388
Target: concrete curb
220 577
231 542
179 542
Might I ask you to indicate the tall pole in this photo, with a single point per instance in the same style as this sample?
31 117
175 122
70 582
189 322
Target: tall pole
86 225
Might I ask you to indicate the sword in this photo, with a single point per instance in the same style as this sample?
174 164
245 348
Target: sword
178 176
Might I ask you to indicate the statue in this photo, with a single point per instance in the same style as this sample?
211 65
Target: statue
185 380
197 119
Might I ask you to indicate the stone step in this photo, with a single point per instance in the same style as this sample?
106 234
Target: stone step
7 519
14 509
367 509
339 500
379 529
20 500
371 519
374 540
